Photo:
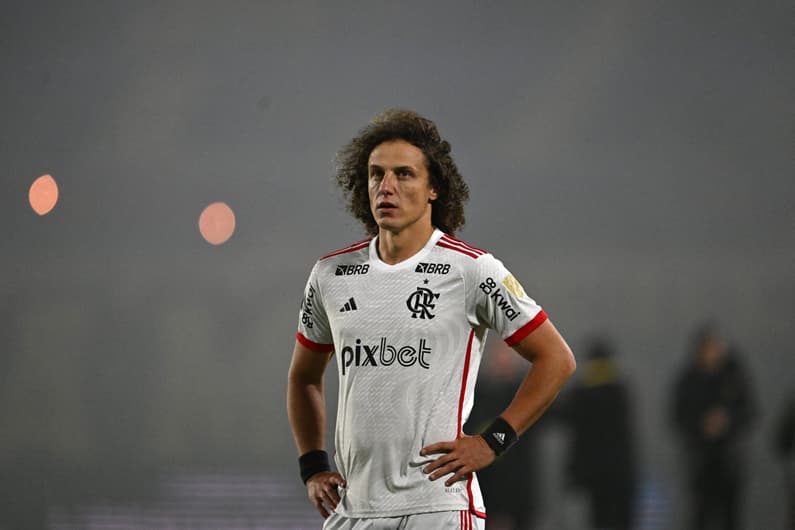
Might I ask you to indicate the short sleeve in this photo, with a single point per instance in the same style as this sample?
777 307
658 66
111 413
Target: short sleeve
314 331
501 302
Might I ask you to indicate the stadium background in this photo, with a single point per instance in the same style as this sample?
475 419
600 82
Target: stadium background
631 162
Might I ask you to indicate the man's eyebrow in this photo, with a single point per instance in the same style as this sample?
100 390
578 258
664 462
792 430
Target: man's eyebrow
396 168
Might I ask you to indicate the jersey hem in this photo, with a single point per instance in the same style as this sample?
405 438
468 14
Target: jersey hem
400 512
472 508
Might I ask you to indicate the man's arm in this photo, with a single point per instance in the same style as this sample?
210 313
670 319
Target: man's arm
306 410
553 363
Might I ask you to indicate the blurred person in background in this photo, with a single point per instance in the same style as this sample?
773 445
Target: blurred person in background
712 412
784 443
601 460
510 507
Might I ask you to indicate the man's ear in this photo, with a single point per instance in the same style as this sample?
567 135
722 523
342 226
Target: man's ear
434 195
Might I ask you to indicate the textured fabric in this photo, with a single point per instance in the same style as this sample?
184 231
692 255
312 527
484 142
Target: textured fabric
408 340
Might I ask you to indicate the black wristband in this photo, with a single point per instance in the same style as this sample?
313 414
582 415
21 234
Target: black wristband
313 462
500 436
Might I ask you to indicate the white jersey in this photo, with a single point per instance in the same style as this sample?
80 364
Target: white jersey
409 339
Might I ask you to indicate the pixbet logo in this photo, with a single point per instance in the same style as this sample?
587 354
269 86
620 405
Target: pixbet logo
383 354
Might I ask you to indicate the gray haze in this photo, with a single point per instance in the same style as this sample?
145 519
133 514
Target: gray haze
631 162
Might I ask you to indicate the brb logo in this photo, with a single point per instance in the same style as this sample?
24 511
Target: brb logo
382 354
348 270
420 303
433 268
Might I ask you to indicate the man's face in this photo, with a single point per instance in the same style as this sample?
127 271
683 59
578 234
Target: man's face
399 186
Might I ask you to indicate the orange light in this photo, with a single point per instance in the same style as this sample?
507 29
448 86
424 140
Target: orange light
43 194
217 223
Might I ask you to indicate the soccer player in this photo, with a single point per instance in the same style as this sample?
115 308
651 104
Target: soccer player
407 311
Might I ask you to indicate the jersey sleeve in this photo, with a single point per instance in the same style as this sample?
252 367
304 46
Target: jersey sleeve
500 302
314 331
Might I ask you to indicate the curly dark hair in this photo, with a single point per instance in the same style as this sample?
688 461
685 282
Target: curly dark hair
447 211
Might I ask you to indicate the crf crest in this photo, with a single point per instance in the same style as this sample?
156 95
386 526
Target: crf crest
420 303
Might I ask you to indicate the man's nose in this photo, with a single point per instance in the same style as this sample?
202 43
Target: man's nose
387 184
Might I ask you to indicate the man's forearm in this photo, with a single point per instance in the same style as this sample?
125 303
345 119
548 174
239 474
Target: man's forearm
306 410
539 389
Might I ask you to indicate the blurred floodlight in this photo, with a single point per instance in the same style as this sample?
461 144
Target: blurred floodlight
43 194
217 223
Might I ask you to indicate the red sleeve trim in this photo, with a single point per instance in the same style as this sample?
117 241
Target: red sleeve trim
527 329
314 346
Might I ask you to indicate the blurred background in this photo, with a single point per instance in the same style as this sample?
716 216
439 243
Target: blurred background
631 162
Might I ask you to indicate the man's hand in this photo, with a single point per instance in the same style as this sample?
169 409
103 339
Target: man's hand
460 457
322 491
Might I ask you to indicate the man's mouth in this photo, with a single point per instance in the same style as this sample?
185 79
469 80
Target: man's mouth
385 205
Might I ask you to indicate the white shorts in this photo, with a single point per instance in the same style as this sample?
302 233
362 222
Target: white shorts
456 520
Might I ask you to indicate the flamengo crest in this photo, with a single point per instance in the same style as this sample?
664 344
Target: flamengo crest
420 303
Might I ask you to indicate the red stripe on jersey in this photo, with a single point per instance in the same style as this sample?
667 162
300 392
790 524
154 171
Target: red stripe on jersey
527 329
457 249
462 395
458 434
350 248
464 244
472 508
314 346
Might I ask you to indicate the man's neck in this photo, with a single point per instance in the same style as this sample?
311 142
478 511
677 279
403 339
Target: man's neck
394 247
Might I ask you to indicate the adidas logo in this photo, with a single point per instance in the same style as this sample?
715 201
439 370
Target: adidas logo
350 305
500 436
